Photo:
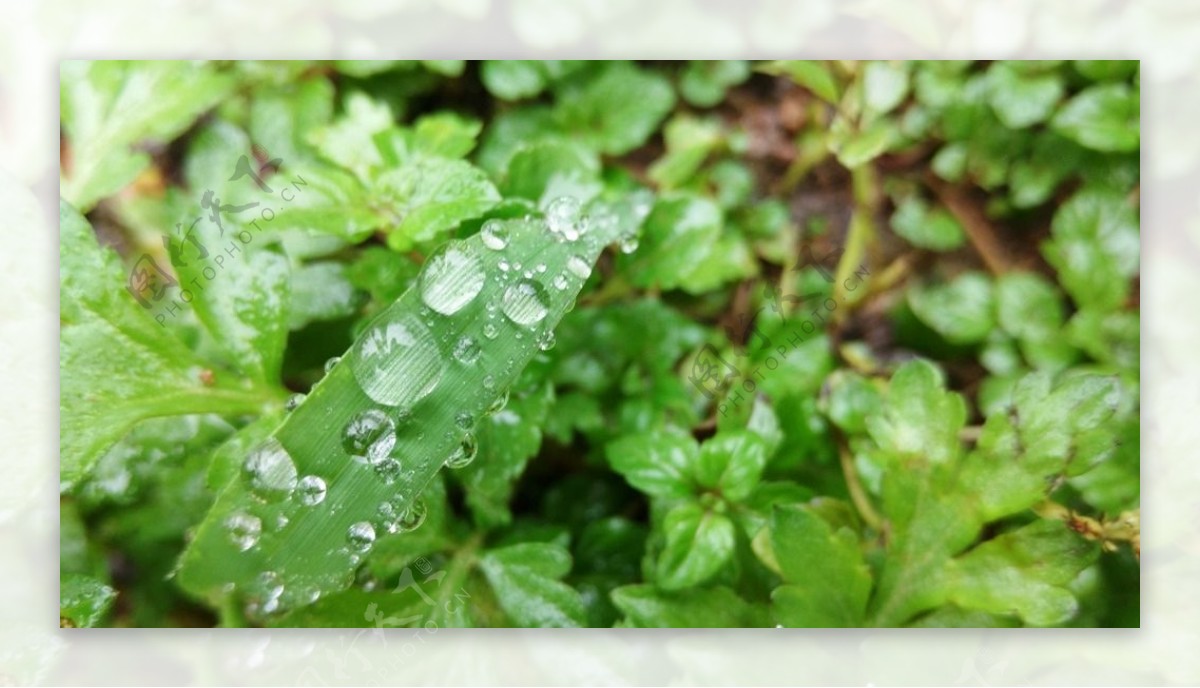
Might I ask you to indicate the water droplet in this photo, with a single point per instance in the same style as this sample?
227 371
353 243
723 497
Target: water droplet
369 436
281 521
559 282
490 330
331 363
563 219
451 279
311 490
499 404
579 267
265 593
270 470
541 268
361 536
546 341
464 420
467 349
412 517
503 265
293 402
494 234
388 470
525 302
398 363
629 244
464 454
244 530
489 382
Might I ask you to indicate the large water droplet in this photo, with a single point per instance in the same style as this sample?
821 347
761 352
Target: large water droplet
271 472
244 530
398 363
451 279
494 235
311 490
411 518
467 350
361 536
525 302
579 267
498 405
369 436
464 453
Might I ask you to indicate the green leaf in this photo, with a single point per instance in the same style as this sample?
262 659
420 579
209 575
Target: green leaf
689 142
718 607
704 82
414 371
1102 117
1095 248
851 400
811 74
856 147
679 233
657 463
525 579
1025 572
283 118
109 106
1020 99
885 84
158 376
83 601
544 170
431 196
827 583
920 421
350 141
1028 306
961 310
617 110
699 543
321 291
513 79
732 463
929 228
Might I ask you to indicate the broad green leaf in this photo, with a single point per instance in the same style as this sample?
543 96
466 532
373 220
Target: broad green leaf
961 310
1095 248
826 582
109 106
885 84
1019 99
282 118
618 109
546 169
1025 572
704 82
657 463
449 346
929 228
717 607
1102 117
525 579
699 542
1028 306
1106 70
513 79
679 233
158 376
850 401
732 463
83 601
430 196
920 421
350 140
811 74
321 291
856 147
689 142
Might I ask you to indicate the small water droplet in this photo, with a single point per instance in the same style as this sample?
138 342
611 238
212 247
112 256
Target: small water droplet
388 470
369 436
411 518
563 218
271 472
490 330
489 382
503 265
546 341
361 536
331 363
467 349
244 530
451 279
579 267
464 454
293 402
494 235
629 244
464 420
559 282
398 363
541 268
525 302
311 490
499 404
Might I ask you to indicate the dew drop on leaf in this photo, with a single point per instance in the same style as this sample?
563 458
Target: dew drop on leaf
499 404
361 536
398 363
559 282
467 349
464 453
271 472
464 420
311 490
525 302
388 469
369 436
494 235
451 279
563 218
244 530
629 244
546 341
490 330
331 363
293 402
579 267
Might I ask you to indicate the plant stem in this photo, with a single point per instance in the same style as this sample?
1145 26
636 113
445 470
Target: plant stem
858 495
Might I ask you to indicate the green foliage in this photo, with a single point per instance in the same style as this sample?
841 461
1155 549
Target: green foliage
556 344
